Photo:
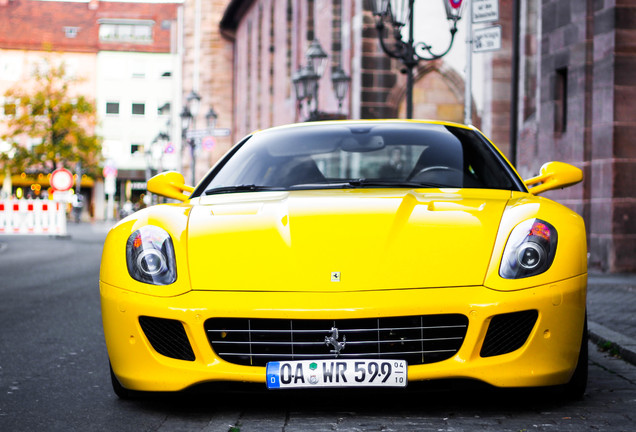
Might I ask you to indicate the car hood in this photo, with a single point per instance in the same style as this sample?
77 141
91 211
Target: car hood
343 240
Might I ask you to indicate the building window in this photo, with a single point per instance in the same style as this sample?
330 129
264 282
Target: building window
310 20
71 32
112 107
272 58
289 39
136 148
248 83
9 108
164 109
38 109
561 100
138 69
134 31
138 109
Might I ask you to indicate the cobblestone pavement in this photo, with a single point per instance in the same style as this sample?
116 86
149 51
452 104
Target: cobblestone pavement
611 303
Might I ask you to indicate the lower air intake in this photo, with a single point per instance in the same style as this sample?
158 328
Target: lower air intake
167 337
508 332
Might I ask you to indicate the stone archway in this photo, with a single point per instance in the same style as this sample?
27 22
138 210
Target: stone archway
438 94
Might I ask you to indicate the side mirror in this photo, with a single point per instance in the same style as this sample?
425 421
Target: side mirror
554 175
169 184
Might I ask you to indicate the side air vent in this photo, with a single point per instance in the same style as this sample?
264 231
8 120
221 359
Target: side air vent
167 337
508 332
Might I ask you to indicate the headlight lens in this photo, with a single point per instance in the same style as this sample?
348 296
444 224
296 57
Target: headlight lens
150 256
530 249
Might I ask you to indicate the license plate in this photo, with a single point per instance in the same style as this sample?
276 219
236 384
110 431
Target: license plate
336 373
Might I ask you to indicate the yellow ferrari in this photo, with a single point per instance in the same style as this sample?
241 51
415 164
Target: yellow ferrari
350 254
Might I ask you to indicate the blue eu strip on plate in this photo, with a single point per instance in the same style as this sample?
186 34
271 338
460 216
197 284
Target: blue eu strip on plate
273 376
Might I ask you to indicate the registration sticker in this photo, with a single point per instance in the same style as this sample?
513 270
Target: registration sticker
336 373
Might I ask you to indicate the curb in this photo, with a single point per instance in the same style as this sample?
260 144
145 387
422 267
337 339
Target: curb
602 335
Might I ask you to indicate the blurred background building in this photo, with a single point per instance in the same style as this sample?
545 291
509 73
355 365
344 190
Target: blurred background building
126 56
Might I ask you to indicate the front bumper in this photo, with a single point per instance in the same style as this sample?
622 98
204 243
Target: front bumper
548 356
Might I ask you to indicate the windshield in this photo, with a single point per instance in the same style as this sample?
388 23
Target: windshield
348 155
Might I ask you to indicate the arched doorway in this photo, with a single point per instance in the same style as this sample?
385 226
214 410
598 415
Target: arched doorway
438 94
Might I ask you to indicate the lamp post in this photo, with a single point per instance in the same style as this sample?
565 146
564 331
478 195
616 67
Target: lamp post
398 14
306 80
192 102
188 118
210 119
154 156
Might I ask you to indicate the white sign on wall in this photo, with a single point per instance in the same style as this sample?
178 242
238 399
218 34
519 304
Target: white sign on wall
487 39
485 11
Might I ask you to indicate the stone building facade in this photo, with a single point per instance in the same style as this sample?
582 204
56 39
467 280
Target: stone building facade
578 106
123 56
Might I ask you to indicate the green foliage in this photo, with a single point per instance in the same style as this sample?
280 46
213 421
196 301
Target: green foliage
610 347
60 126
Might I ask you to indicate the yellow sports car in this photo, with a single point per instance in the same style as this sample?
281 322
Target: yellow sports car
350 254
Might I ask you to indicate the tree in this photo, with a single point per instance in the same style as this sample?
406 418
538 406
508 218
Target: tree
60 126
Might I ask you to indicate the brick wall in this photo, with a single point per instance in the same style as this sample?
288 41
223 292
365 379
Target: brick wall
592 44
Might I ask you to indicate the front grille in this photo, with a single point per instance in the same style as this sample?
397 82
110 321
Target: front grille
416 339
508 332
167 337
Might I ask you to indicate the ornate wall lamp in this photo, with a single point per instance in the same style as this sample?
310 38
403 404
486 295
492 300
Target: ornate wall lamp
306 81
398 14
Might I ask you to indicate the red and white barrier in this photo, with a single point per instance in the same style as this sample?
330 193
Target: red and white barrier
32 217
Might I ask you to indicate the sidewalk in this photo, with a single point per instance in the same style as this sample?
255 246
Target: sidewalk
611 305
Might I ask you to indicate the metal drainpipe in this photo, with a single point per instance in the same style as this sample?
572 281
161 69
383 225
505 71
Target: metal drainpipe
514 102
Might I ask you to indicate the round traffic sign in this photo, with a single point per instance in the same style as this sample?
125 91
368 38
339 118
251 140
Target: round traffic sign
61 180
208 143
109 171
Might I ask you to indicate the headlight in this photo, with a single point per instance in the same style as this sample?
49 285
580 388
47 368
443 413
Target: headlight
530 250
150 256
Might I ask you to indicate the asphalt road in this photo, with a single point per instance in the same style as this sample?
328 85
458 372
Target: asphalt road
54 372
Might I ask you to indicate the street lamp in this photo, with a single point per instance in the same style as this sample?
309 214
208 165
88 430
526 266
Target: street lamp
316 58
189 117
210 119
186 120
340 81
192 102
306 84
306 80
399 13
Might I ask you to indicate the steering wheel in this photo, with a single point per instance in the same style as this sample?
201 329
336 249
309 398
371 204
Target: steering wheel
428 172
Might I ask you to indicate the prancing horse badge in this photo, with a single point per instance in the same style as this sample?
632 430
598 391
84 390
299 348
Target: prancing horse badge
335 276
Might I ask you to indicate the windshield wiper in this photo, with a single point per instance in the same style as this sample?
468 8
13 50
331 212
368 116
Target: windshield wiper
239 188
391 183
